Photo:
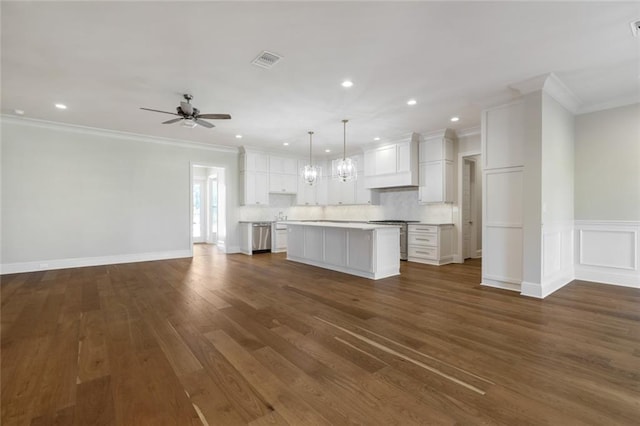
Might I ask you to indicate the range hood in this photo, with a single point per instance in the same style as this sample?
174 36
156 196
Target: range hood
393 165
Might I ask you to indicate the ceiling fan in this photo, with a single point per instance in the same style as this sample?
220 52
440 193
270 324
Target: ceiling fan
188 112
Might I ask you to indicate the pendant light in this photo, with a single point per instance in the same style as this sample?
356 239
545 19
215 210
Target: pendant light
311 173
346 169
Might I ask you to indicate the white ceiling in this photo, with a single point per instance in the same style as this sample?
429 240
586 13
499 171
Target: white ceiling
105 60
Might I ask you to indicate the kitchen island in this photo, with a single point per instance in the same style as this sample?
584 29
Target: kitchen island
363 249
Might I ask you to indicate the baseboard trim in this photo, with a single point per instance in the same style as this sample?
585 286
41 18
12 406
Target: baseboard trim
232 249
503 285
542 290
605 277
79 262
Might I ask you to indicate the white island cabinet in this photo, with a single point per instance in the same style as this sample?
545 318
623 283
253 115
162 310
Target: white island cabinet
362 249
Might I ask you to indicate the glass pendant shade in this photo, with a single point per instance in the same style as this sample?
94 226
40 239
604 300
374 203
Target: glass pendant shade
346 169
311 173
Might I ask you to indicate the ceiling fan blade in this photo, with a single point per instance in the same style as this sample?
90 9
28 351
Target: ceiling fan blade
203 123
155 110
215 116
186 107
173 120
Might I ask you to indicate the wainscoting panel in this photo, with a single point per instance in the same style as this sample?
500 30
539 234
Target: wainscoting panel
504 195
557 260
505 263
608 252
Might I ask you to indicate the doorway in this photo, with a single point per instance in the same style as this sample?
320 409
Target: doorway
470 206
208 204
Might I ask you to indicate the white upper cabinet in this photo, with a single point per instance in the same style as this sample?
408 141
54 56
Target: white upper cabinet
436 149
283 175
283 165
392 165
254 162
254 178
437 169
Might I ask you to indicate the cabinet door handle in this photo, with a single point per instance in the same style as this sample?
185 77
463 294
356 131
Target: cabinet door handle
423 239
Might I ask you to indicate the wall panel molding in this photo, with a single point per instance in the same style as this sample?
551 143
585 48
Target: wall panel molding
608 252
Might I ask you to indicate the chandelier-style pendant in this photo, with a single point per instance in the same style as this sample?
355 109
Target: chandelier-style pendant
311 173
346 169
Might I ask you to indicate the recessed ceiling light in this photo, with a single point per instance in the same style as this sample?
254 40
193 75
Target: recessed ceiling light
327 150
347 83
286 144
454 119
238 136
376 138
412 102
19 111
61 106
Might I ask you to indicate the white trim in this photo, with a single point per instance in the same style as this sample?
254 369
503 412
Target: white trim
469 131
555 88
23 121
619 102
606 277
231 249
628 276
459 256
608 223
503 285
79 262
551 85
633 267
541 291
506 280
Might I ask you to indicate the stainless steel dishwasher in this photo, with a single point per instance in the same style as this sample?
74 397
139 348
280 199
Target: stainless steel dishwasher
261 237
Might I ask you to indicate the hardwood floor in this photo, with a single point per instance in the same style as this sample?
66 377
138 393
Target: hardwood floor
225 340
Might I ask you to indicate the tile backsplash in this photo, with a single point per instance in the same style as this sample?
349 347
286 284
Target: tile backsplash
396 203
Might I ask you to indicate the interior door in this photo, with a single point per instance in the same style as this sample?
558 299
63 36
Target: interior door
466 210
199 211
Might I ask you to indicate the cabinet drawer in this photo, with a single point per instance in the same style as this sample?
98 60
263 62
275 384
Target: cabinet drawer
423 228
423 239
423 252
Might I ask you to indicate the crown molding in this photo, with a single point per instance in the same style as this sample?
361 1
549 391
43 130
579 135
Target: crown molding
614 103
553 86
75 128
441 133
469 131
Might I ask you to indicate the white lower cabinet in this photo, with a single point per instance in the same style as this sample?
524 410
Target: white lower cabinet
430 244
278 238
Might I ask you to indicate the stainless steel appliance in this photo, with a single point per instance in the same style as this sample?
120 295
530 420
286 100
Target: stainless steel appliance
261 237
403 233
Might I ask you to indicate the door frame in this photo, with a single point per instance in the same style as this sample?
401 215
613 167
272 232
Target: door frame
222 244
204 228
459 255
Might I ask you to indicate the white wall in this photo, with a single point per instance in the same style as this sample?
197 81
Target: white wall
558 142
74 196
607 196
607 174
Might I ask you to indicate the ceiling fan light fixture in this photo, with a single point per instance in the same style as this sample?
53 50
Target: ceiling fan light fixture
188 123
310 173
346 168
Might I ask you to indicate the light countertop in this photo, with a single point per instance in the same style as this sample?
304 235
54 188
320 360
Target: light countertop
350 225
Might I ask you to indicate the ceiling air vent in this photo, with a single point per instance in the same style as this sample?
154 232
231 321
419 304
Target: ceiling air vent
635 28
266 60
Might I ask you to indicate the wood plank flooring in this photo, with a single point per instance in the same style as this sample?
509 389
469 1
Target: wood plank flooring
233 339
